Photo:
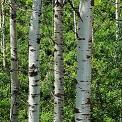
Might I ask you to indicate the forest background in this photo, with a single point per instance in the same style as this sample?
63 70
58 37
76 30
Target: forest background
106 62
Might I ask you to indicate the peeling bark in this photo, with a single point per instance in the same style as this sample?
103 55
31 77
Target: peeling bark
14 65
83 90
58 62
33 72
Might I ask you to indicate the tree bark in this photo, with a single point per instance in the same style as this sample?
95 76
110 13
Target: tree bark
3 34
74 17
1 26
117 4
83 89
0 14
58 62
14 64
34 82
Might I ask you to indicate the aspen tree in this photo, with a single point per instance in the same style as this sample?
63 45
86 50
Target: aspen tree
117 4
75 24
84 65
34 85
14 64
58 62
3 33
0 25
0 14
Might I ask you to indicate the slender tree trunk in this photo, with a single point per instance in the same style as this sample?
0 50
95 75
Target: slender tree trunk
14 65
75 24
3 34
117 4
84 63
118 29
58 62
34 82
92 21
0 25
0 14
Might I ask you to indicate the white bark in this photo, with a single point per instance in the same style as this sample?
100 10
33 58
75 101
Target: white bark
0 14
75 24
34 85
58 62
1 25
84 64
14 64
117 4
3 34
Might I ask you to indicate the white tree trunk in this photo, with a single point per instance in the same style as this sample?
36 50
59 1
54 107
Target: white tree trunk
0 14
75 24
0 25
3 34
58 62
14 64
34 82
117 4
84 63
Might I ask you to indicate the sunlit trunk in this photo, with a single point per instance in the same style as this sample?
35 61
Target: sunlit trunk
58 62
2 30
14 64
74 18
3 34
83 89
117 4
0 26
34 81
